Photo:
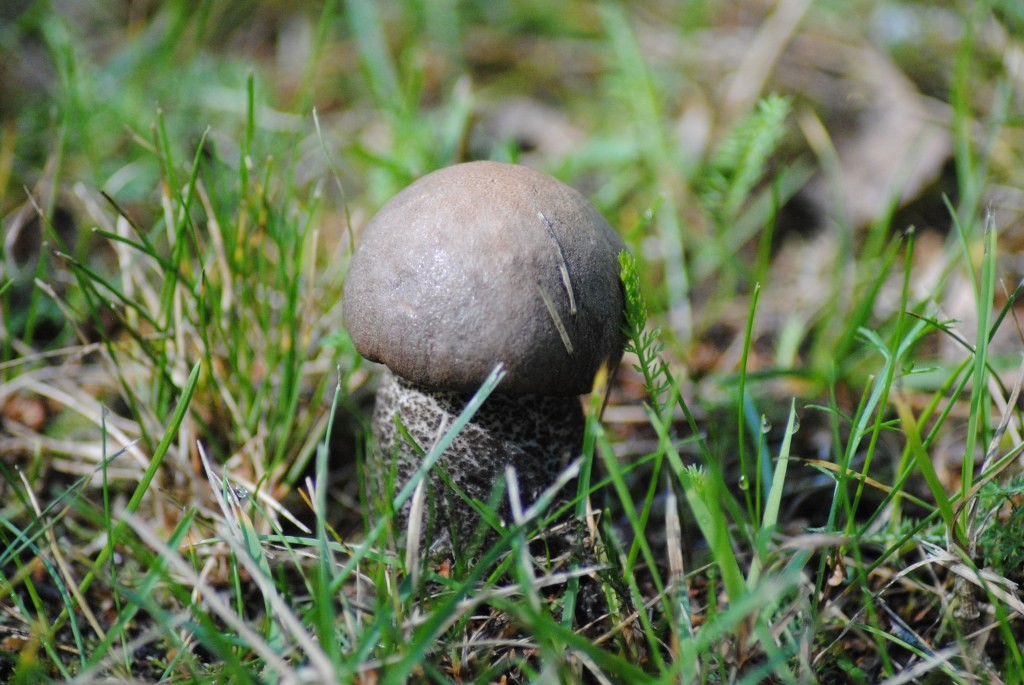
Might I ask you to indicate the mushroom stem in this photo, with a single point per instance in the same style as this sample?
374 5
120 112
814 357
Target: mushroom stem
537 435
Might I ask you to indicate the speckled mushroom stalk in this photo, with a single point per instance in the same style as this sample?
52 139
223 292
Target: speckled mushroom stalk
535 434
469 266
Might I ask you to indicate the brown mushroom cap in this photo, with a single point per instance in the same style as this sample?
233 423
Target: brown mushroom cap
482 263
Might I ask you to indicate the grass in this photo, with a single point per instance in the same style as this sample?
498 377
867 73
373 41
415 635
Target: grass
807 469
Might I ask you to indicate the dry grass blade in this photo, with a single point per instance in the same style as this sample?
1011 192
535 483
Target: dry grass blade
117 654
321 665
65 569
67 393
988 581
414 533
761 55
208 597
933 662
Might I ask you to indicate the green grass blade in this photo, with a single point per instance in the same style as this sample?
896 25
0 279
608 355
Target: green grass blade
142 487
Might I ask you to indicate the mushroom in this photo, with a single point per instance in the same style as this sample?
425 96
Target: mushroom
470 266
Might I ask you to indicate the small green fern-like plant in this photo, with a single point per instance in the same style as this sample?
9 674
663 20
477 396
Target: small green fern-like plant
1002 544
645 344
740 161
